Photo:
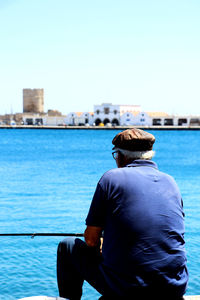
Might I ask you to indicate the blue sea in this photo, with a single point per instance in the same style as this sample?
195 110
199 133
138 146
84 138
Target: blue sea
48 178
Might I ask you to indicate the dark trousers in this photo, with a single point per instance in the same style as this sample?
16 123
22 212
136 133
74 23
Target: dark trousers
77 262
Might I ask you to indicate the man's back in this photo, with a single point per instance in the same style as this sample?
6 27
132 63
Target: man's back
141 213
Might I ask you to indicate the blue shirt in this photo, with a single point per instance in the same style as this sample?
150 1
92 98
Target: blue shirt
140 210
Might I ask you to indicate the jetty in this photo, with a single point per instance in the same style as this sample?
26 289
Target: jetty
99 127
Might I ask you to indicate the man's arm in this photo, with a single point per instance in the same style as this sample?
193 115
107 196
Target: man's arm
92 236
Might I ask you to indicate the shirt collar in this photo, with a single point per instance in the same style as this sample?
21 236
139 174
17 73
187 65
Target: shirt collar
143 162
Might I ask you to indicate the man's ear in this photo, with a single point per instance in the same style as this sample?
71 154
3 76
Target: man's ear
123 160
120 160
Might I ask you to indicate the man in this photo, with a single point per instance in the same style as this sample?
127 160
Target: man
139 211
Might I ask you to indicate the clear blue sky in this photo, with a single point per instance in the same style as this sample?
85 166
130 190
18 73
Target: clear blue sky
85 52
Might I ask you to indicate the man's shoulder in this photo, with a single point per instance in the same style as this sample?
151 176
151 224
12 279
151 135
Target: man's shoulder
167 176
110 175
111 172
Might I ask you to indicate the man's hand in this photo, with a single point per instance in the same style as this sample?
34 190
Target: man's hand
101 244
92 236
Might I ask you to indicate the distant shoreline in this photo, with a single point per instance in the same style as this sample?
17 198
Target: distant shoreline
100 128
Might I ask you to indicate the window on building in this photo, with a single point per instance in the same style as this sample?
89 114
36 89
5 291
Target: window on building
182 121
106 110
115 122
168 122
195 121
38 121
127 120
29 121
106 121
142 120
115 111
97 122
157 122
98 111
127 115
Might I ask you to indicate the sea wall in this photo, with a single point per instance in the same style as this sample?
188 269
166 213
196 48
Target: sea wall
100 127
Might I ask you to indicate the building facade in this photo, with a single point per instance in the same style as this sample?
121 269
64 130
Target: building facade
107 113
79 118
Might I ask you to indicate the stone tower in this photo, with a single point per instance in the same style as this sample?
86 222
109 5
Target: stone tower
33 100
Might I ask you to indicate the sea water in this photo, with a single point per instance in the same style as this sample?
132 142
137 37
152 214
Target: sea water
48 178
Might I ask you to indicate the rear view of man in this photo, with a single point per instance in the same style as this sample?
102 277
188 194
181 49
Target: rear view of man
140 213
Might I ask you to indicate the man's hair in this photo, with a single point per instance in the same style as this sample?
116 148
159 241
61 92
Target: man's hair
136 154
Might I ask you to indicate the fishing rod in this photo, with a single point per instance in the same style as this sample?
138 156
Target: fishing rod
42 234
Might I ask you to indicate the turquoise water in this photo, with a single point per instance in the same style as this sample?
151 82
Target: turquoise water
47 181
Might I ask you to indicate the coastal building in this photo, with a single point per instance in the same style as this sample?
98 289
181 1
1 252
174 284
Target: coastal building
107 113
46 119
159 118
33 100
136 118
7 119
54 118
127 118
128 115
32 118
143 118
79 118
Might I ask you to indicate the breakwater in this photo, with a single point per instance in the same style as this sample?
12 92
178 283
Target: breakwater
100 127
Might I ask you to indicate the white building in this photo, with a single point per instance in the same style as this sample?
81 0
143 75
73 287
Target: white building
54 120
79 118
160 118
127 118
43 119
108 113
32 118
143 119
128 115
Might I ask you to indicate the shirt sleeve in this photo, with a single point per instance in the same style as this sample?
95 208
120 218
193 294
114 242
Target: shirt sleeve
97 212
